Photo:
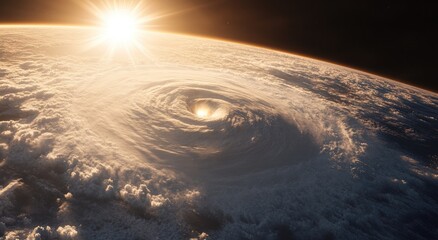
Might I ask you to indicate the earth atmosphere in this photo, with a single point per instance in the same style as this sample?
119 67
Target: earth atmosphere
198 138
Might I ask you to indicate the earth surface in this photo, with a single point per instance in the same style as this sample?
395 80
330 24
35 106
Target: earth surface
198 138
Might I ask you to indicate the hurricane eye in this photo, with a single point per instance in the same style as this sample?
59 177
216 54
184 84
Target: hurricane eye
202 112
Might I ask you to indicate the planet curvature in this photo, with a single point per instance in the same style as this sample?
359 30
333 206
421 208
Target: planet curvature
197 138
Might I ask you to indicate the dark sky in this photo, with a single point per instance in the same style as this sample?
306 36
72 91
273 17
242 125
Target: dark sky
390 38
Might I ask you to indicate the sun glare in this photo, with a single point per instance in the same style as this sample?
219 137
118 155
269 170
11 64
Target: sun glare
120 26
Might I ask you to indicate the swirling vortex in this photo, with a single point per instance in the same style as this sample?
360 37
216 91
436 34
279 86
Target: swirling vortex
205 124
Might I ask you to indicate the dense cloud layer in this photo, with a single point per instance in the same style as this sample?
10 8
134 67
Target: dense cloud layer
201 138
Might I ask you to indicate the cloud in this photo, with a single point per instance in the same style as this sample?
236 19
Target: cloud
41 233
138 197
292 147
12 236
67 232
7 197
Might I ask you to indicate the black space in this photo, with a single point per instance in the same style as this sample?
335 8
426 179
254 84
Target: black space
391 38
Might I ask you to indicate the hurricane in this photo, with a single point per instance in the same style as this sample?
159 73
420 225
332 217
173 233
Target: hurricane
206 139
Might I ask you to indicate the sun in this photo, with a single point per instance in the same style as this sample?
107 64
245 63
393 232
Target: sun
120 26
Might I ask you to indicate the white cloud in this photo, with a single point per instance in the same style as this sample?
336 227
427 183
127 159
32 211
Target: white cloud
67 232
12 236
41 233
138 197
